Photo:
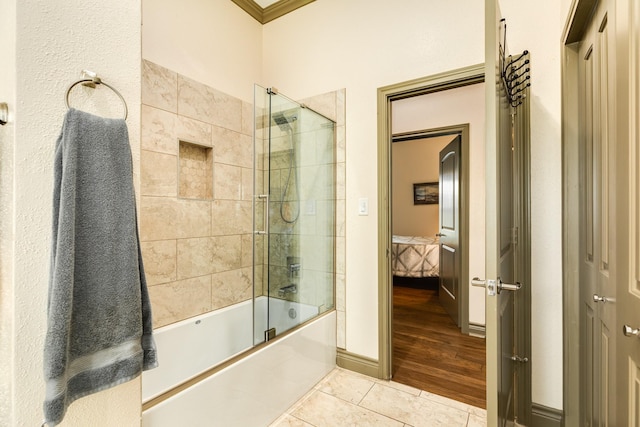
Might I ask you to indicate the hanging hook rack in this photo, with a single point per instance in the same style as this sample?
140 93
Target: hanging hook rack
514 70
91 80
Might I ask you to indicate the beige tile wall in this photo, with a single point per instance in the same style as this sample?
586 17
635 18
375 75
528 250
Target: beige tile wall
196 239
333 106
198 251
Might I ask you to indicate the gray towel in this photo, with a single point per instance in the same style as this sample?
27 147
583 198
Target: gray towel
99 331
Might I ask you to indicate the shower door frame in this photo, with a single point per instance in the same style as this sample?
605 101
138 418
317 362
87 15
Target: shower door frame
263 194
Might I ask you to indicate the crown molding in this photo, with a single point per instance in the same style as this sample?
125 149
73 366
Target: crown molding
251 7
272 12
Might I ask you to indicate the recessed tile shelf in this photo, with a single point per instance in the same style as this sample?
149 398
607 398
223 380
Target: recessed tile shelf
195 172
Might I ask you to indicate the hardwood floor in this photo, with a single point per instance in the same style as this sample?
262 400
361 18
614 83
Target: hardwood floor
430 352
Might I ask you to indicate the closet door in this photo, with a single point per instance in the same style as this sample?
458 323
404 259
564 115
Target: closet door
597 221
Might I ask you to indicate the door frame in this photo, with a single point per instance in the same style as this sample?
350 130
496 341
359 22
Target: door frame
387 94
462 130
579 15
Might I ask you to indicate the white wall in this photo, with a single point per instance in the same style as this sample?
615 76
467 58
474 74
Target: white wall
362 45
54 41
7 94
538 27
453 107
414 162
213 42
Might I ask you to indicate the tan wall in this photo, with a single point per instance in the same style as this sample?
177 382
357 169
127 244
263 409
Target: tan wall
197 247
414 162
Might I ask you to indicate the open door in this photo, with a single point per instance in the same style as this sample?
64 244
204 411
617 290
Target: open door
506 232
449 282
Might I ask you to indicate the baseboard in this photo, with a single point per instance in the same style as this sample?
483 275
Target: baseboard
477 330
357 363
543 416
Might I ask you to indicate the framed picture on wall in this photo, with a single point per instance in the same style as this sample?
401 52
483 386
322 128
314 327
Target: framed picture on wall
425 193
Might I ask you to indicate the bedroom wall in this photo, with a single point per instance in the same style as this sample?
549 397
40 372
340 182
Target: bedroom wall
451 107
414 162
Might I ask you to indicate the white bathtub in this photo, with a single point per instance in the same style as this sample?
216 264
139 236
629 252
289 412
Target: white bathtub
253 391
282 315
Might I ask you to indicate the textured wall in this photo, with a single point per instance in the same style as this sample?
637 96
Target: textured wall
7 94
55 41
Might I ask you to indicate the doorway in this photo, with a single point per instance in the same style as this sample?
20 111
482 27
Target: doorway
429 350
391 101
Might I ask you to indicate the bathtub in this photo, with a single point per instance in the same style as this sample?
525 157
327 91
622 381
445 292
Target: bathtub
255 390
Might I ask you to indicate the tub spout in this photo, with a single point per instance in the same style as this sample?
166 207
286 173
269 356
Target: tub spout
286 290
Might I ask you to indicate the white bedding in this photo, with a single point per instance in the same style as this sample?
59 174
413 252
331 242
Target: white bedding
415 256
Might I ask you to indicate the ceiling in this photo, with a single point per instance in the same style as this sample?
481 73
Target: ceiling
265 11
265 3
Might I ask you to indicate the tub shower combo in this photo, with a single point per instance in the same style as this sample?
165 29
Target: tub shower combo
220 368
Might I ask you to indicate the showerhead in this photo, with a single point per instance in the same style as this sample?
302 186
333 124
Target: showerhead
282 121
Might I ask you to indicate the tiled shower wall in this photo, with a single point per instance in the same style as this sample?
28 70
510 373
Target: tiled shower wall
315 187
197 249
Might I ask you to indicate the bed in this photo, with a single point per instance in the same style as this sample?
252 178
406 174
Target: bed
415 256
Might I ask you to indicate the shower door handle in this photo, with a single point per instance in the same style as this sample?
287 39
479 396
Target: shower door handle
264 197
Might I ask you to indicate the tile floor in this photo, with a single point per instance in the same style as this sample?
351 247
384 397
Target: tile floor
346 398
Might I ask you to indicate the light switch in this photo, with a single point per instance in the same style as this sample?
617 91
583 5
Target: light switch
310 207
363 206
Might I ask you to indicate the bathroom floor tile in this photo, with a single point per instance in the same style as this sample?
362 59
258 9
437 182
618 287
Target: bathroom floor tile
288 421
322 410
414 410
347 398
401 387
346 386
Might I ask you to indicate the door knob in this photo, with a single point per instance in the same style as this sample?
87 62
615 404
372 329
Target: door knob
628 331
495 286
440 235
598 298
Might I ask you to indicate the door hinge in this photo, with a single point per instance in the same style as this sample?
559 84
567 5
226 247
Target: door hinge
514 235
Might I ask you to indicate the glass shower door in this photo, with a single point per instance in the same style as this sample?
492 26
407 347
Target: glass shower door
294 214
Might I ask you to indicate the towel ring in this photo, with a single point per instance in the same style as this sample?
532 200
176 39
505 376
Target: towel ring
92 82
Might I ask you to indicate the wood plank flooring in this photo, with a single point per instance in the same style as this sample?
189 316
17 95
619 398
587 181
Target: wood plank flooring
430 352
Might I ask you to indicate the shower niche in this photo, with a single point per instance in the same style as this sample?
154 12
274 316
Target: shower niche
294 213
195 171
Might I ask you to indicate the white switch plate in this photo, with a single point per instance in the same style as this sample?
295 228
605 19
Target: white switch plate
310 207
363 206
